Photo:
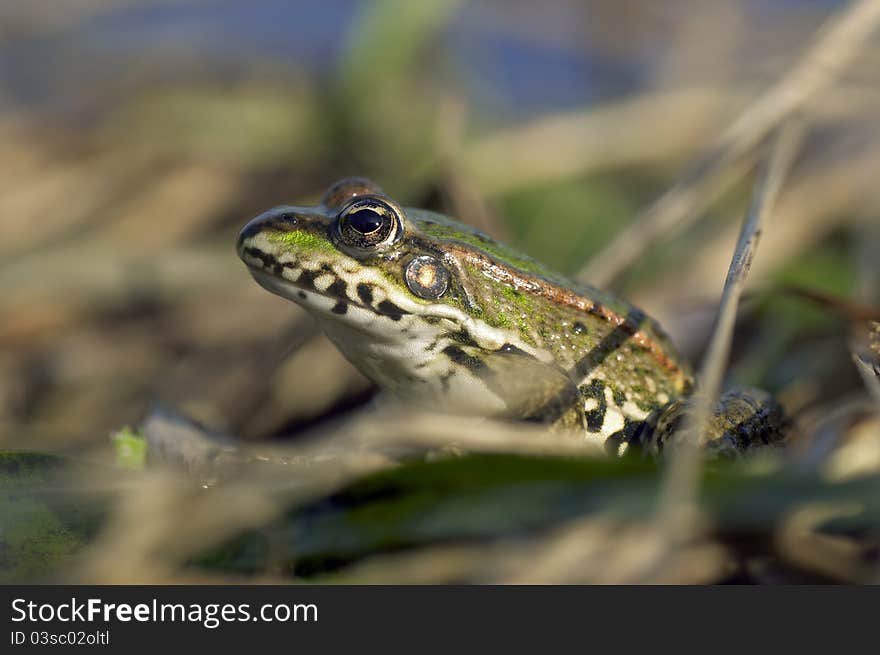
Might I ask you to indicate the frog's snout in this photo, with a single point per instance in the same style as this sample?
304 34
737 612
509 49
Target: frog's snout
277 219
248 232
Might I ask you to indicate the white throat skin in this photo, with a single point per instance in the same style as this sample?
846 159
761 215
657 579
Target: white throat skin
408 360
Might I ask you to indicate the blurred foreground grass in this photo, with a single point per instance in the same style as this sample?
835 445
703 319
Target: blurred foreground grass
481 517
120 202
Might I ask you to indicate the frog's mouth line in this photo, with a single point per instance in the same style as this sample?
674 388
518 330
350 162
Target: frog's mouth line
289 280
300 294
304 289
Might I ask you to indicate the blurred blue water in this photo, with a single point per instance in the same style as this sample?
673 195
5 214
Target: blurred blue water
295 31
497 68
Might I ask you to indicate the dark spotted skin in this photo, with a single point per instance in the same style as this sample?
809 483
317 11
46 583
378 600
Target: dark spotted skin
460 357
594 418
365 293
389 309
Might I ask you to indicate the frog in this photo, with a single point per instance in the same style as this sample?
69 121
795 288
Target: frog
438 313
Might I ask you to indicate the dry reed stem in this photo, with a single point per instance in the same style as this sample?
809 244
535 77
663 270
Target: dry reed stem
677 504
814 204
833 48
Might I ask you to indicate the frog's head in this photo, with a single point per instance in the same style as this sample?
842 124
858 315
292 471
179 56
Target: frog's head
362 261
409 296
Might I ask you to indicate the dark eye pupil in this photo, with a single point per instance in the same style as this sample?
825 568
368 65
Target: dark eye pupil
365 221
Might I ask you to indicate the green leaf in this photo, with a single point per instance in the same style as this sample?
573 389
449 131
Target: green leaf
130 448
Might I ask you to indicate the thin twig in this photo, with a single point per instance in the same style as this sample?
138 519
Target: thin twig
821 197
682 476
835 46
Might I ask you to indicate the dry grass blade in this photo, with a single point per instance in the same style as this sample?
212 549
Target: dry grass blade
602 550
621 133
594 550
394 431
849 310
327 457
826 435
680 483
148 536
819 200
832 50
836 557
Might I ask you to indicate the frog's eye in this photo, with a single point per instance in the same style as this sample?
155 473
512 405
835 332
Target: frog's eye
368 223
426 277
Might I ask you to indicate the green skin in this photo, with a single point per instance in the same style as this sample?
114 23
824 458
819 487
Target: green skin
481 328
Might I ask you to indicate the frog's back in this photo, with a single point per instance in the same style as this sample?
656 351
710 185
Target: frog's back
622 362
